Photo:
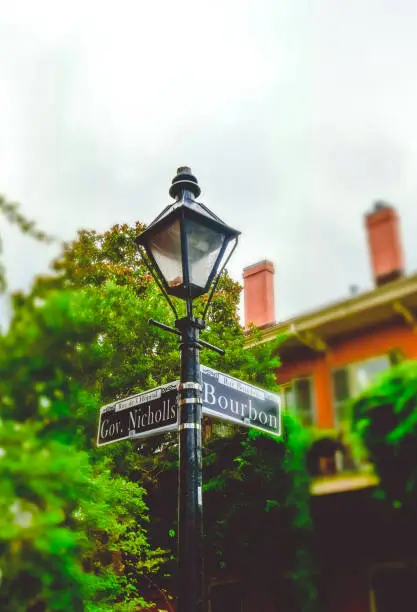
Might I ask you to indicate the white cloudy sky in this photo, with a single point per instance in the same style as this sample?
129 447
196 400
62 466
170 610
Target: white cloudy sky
294 115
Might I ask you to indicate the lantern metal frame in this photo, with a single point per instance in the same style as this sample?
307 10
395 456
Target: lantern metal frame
183 211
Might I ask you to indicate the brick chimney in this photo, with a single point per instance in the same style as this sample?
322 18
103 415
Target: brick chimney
384 242
258 293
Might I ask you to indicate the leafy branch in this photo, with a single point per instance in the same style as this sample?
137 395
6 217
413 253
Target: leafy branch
10 210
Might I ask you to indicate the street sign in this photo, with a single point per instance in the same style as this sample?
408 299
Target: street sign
156 411
139 416
233 400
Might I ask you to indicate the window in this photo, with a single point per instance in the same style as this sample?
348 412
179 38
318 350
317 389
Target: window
287 396
298 396
351 380
341 393
367 372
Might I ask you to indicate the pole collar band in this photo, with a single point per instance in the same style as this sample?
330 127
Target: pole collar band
189 400
189 426
190 385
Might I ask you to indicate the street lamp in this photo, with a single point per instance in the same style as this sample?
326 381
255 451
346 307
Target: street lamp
186 248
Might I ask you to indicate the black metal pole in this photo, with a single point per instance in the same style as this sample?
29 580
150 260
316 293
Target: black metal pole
190 494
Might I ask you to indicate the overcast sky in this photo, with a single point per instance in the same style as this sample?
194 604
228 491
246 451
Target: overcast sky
294 115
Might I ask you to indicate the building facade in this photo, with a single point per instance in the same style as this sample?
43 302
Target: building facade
333 353
328 356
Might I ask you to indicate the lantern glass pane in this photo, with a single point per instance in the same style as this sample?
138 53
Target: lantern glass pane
165 247
204 245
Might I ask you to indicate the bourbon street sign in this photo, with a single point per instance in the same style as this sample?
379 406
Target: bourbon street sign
233 400
139 416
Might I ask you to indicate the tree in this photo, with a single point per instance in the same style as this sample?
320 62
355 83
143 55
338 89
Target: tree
11 211
52 503
80 338
257 513
65 510
385 417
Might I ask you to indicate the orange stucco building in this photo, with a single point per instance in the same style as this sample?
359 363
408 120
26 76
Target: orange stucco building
327 356
334 352
377 325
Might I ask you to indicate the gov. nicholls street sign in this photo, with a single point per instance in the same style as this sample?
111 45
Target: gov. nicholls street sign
139 416
154 412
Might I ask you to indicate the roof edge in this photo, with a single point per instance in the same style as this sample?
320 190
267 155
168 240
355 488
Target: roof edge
337 310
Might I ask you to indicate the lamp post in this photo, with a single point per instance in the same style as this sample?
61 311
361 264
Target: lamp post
186 248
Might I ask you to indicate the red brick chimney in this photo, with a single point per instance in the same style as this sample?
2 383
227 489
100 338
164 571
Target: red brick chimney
258 293
384 242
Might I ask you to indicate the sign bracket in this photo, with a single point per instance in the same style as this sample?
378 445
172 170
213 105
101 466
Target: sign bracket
200 343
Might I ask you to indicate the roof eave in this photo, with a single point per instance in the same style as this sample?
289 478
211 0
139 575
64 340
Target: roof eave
396 290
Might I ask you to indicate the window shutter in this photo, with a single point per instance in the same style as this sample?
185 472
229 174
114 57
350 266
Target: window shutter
303 393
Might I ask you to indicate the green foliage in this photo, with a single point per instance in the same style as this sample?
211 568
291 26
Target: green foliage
10 210
257 512
52 502
386 418
50 359
80 339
